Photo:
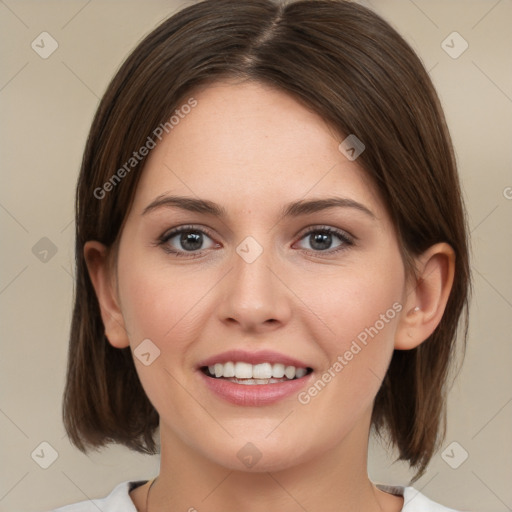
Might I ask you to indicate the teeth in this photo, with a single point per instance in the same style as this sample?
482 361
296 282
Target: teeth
259 373
229 370
255 382
243 370
300 372
289 371
262 371
278 370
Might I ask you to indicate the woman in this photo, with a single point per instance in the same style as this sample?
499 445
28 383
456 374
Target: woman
271 260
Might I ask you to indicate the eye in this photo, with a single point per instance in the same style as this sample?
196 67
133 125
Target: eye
186 239
325 239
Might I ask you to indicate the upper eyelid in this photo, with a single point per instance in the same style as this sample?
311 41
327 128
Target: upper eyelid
336 231
172 232
303 232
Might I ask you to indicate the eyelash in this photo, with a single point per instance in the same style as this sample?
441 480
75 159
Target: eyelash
346 240
164 239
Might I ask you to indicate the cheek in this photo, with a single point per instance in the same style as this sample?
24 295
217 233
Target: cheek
161 306
153 301
356 311
353 299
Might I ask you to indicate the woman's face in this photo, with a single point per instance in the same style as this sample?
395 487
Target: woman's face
285 254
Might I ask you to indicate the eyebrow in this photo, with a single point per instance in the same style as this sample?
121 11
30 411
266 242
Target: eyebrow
294 209
316 205
190 204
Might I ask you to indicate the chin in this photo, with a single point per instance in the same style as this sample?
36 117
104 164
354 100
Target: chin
255 454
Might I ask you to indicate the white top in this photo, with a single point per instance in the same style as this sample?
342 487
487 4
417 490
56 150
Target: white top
119 501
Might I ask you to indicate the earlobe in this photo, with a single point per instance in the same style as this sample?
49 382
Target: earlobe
100 272
426 296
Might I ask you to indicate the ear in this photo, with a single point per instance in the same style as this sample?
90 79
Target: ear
426 295
104 283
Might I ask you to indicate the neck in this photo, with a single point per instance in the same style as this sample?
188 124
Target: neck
333 481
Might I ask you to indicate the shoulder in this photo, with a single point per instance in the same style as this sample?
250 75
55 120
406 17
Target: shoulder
414 501
117 501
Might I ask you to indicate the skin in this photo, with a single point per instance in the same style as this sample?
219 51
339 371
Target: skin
252 150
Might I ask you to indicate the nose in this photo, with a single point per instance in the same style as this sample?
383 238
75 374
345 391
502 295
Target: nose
254 297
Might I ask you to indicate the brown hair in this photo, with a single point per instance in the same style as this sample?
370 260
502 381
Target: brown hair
349 66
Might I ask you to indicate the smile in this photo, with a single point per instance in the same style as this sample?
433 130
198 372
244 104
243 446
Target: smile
255 379
255 374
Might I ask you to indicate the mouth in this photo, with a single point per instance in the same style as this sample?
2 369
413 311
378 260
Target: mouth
240 372
246 378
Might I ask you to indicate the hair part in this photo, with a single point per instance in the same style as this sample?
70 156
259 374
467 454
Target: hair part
355 71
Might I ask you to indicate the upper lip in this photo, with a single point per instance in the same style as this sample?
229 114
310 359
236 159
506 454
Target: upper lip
262 356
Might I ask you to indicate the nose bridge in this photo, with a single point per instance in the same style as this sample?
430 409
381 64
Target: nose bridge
254 296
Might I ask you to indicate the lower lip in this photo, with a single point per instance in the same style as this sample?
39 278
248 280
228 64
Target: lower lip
254 394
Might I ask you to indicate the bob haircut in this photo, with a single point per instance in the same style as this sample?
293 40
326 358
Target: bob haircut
349 66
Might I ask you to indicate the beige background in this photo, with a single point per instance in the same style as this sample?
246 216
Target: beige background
46 109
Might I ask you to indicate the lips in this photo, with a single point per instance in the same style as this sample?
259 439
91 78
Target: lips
254 378
254 358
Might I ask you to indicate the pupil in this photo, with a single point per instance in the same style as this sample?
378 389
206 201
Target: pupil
191 241
321 241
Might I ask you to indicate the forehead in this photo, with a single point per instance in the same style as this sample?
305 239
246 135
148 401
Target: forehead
250 144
